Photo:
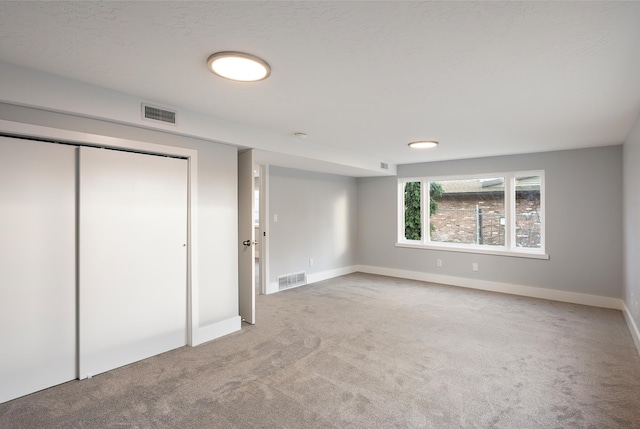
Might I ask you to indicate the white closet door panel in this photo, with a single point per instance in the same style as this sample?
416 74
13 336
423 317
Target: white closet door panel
133 259
37 266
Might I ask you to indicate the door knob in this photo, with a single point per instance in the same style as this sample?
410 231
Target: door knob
247 242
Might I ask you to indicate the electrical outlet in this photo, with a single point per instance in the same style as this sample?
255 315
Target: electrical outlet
474 266
311 262
275 218
439 262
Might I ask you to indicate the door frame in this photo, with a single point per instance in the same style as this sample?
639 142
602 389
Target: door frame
263 242
18 129
246 238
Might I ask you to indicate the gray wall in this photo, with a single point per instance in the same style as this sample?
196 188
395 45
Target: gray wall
632 223
217 202
583 223
316 219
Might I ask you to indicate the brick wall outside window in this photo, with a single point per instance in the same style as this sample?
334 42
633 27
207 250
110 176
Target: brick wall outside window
476 218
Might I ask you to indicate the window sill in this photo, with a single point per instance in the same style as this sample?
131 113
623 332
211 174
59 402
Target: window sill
532 253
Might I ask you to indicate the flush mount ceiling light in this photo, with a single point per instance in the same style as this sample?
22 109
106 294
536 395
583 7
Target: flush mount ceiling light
238 66
423 144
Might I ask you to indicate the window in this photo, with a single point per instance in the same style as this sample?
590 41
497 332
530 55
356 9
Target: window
496 213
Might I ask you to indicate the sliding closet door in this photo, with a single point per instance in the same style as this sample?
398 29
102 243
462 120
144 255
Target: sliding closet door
132 257
37 266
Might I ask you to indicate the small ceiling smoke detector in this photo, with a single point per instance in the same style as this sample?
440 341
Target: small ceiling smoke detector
238 66
300 135
423 144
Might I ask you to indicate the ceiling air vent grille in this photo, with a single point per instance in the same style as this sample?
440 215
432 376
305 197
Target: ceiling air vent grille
292 280
158 114
384 165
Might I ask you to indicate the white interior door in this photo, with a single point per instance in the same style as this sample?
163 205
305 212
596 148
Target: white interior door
132 257
246 238
37 266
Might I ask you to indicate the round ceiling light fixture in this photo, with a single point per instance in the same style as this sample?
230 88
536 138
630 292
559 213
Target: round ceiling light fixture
238 66
423 144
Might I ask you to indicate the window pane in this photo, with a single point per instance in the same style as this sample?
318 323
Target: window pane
412 211
469 211
528 211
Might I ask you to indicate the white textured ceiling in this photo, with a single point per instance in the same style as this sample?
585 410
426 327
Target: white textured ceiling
483 78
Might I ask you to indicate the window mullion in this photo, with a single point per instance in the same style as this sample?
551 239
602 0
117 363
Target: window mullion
510 207
542 211
424 204
401 210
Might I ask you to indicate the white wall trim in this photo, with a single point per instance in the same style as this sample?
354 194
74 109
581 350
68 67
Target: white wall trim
317 277
216 330
477 249
509 288
329 274
633 328
49 133
272 287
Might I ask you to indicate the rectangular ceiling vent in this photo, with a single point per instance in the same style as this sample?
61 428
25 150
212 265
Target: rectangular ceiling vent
154 113
384 165
292 280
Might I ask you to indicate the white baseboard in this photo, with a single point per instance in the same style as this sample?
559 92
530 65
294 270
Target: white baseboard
216 330
329 274
316 277
509 288
513 289
272 288
633 328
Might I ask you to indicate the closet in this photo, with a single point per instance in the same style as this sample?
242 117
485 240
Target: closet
93 261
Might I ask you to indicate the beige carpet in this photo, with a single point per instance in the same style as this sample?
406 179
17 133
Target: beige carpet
365 351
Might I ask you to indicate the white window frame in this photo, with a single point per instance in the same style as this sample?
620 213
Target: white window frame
509 248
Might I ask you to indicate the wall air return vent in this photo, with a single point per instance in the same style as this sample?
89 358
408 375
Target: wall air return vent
292 280
153 113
